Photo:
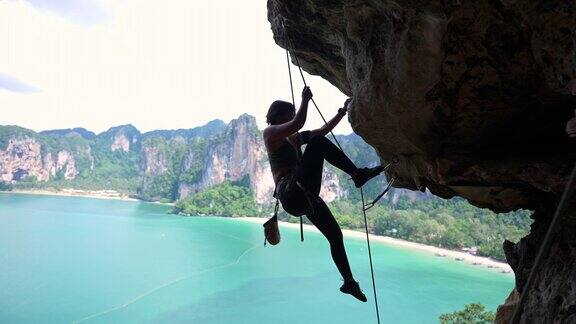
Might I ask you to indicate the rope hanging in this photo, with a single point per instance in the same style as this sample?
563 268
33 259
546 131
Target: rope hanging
294 104
305 84
546 244
364 208
370 257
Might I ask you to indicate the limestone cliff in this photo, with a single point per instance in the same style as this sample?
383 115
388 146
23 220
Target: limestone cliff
125 137
23 159
471 96
162 164
238 152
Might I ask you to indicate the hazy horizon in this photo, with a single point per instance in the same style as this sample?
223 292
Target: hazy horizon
99 63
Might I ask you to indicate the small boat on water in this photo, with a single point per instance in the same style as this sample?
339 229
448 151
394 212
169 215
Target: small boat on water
506 271
438 254
490 266
476 263
459 259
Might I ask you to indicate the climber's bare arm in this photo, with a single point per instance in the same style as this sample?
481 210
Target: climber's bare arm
322 131
275 134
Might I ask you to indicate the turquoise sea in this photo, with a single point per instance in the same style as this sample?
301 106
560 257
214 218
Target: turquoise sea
81 260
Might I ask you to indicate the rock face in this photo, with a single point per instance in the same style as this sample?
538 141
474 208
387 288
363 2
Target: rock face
237 152
331 189
472 97
154 161
67 163
123 138
23 159
121 142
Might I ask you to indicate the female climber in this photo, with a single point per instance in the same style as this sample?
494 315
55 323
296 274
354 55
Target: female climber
298 176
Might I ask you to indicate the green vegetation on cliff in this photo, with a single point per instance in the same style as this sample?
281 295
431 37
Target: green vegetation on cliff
5 186
471 314
11 132
452 223
161 181
197 152
225 199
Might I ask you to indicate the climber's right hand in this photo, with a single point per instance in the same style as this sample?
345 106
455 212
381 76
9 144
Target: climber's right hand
306 94
346 103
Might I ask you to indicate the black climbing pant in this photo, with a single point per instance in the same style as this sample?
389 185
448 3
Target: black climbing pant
319 148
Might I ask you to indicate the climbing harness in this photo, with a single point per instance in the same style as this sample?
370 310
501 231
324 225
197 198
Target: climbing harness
290 46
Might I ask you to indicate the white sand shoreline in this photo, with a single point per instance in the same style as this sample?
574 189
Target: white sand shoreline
85 194
467 258
82 193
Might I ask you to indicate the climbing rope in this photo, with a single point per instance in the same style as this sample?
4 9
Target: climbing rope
305 84
294 105
370 257
547 243
290 46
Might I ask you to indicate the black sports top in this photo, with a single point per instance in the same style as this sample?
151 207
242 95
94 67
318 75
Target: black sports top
288 155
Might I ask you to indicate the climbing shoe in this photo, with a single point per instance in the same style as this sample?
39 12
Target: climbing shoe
353 288
363 175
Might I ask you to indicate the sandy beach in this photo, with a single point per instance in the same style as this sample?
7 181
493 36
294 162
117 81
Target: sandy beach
465 257
98 194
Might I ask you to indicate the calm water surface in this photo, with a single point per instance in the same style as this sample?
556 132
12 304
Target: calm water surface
68 259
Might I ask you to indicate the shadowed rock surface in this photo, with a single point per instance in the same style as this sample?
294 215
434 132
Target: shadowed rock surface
471 96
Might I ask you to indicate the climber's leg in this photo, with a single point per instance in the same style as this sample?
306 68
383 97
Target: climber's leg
319 148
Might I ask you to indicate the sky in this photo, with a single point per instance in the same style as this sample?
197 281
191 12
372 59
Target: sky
157 65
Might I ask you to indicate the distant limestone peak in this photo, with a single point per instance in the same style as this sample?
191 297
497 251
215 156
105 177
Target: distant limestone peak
83 132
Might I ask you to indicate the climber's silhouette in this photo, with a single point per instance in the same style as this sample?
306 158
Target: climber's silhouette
298 176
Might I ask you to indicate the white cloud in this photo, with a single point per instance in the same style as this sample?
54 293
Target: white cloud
10 83
86 12
174 64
